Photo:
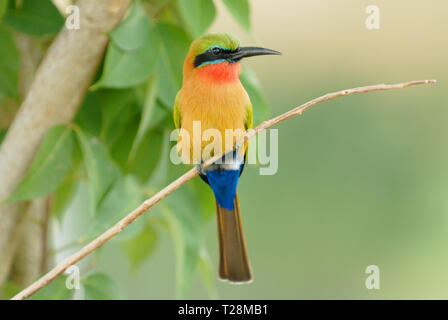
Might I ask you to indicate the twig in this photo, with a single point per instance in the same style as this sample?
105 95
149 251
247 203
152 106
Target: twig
149 203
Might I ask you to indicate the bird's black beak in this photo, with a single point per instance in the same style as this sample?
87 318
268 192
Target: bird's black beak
244 52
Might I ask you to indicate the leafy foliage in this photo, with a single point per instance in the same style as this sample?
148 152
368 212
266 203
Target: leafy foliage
56 290
101 171
3 7
124 196
258 100
183 220
133 30
99 286
9 63
139 248
207 272
240 9
63 195
118 142
198 15
10 289
147 112
175 42
2 135
127 68
49 167
90 114
35 17
147 155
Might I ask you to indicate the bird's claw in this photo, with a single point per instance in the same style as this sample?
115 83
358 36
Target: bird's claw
200 169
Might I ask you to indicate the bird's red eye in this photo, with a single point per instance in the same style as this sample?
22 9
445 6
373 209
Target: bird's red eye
216 51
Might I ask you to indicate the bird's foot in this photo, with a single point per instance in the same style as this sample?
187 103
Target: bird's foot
200 169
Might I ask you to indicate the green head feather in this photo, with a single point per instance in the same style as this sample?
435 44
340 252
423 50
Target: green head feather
222 40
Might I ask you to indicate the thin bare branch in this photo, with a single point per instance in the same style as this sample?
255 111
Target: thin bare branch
149 203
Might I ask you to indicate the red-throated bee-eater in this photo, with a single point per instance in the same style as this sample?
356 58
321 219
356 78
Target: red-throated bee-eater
213 95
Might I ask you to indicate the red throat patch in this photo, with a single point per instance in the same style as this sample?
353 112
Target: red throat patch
220 72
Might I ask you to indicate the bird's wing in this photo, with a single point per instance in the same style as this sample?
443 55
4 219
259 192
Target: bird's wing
249 117
248 123
177 114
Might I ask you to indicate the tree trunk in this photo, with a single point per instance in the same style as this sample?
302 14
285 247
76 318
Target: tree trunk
31 239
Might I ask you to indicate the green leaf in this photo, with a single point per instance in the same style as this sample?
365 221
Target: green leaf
183 218
204 197
113 102
253 87
35 18
162 115
3 134
120 141
133 30
173 50
10 289
124 196
198 15
100 286
89 116
63 196
148 108
51 164
127 68
3 7
207 273
9 63
56 290
101 171
139 248
147 155
240 10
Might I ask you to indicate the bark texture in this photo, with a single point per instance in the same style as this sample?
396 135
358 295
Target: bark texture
30 254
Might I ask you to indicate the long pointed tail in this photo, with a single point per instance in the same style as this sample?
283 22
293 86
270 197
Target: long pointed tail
234 264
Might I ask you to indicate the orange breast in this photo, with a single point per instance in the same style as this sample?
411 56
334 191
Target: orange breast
215 106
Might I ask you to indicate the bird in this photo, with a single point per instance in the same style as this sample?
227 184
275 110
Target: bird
213 96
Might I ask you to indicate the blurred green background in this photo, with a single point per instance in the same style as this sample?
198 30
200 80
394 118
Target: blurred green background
361 180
